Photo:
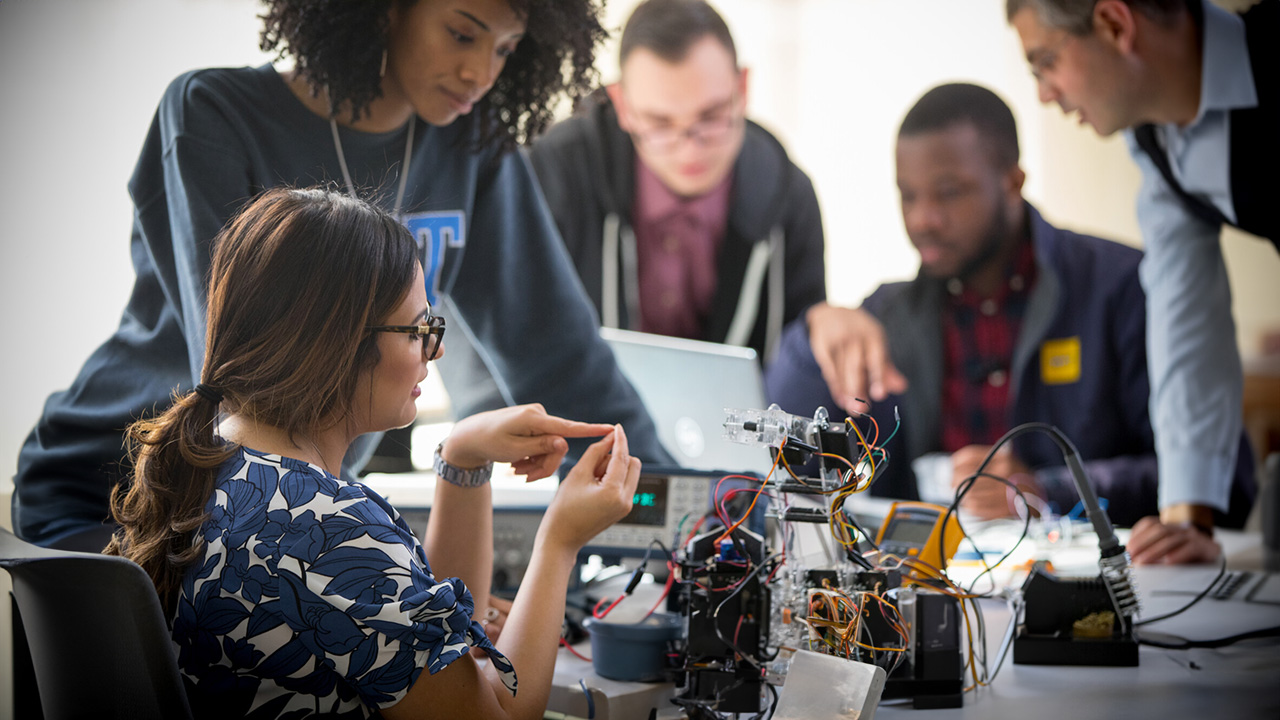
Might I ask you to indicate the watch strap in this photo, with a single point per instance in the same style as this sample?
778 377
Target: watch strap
462 477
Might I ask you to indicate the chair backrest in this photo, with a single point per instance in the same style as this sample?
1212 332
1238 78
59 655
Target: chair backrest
96 634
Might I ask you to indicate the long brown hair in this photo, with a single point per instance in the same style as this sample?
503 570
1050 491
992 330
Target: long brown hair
297 276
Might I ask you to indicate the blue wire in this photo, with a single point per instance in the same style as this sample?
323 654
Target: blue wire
1078 510
591 704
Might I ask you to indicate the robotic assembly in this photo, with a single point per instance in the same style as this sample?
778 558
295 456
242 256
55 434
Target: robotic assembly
750 601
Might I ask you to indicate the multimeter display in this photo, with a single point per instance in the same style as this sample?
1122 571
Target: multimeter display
915 529
910 530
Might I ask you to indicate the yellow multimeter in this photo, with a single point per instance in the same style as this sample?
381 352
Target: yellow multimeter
914 529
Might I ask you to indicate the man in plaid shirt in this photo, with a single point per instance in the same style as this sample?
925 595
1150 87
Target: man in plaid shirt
1010 320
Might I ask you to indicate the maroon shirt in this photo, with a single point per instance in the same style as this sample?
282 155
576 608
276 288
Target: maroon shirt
677 245
979 335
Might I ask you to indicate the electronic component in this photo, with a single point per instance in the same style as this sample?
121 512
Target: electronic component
915 529
1060 620
913 634
1053 608
806 514
663 499
726 602
750 607
799 440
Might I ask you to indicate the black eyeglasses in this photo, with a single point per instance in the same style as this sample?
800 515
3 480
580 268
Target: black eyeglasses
431 333
708 131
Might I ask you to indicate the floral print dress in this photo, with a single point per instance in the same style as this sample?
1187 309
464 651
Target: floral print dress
313 599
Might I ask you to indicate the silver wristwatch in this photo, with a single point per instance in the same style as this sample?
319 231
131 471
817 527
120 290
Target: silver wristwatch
454 475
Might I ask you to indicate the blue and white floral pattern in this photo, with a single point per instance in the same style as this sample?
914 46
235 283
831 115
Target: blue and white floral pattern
313 598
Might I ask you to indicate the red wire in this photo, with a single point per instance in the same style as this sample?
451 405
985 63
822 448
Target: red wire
760 491
720 511
576 654
671 577
728 495
595 611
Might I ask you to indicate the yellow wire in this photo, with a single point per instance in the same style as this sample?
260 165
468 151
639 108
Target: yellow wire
865 447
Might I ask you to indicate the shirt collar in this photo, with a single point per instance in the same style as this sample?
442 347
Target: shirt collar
655 202
1020 276
1226 78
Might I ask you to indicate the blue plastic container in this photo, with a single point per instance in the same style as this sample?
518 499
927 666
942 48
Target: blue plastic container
632 651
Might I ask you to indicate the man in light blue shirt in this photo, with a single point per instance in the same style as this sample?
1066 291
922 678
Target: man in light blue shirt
1182 78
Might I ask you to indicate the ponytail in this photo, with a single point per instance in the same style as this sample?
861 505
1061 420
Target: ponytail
175 458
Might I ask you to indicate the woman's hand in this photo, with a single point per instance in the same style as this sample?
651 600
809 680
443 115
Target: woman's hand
525 436
597 493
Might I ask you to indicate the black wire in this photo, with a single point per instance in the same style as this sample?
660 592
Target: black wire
1062 441
649 549
711 705
1026 524
773 706
1221 571
1186 644
715 616
852 553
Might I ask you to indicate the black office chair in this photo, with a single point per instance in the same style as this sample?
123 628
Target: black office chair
1269 500
95 633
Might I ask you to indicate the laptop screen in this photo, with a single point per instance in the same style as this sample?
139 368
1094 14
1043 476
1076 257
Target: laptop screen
687 385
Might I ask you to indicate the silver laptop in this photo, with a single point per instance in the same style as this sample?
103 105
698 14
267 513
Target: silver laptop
686 385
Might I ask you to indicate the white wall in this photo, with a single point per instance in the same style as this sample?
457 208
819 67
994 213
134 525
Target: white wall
80 80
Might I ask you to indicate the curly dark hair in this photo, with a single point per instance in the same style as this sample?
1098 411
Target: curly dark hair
338 44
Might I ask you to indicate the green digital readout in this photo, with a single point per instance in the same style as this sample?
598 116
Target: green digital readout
649 504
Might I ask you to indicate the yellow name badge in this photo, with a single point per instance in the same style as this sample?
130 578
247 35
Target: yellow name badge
1060 361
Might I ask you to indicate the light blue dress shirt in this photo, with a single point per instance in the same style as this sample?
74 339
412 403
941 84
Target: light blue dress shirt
1194 364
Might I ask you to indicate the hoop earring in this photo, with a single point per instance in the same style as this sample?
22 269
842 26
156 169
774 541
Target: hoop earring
383 72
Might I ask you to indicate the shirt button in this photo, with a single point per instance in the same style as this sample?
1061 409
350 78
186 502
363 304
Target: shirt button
989 307
955 286
1016 283
997 378
671 244
669 299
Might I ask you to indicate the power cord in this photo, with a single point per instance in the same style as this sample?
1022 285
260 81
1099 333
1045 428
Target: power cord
1181 643
1222 569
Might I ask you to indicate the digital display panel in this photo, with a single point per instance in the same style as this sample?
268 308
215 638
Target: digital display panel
649 505
909 530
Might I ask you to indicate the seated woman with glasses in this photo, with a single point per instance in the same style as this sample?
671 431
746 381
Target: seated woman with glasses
293 592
